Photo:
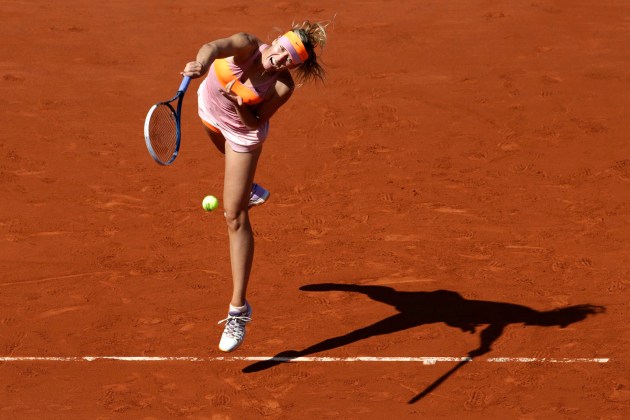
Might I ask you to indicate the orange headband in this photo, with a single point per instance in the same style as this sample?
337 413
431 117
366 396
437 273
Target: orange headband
292 42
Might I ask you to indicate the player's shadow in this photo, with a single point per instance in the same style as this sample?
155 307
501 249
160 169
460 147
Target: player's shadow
419 308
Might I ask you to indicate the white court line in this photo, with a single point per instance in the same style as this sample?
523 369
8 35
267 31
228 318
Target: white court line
423 360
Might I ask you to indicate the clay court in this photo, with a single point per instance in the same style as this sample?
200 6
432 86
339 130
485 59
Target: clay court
447 234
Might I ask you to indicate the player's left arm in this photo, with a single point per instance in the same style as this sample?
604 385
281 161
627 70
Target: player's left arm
253 117
280 94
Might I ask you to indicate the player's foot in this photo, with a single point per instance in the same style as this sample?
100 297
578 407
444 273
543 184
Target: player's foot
258 195
234 332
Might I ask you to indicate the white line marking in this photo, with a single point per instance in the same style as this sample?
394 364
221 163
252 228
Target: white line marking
68 276
423 360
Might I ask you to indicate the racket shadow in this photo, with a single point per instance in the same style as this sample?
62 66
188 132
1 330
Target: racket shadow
420 308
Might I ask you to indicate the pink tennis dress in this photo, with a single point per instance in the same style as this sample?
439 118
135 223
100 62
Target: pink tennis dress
218 111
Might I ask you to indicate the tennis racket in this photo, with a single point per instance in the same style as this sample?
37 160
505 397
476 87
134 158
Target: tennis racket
162 127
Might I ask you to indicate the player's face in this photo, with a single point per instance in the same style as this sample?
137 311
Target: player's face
277 58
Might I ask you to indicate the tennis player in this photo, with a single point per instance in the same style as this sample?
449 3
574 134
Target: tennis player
247 82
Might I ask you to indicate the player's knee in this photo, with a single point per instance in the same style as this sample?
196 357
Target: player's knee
235 219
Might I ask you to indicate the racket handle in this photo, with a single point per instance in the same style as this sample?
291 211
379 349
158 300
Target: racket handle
184 85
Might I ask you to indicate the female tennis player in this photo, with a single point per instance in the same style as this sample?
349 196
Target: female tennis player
247 82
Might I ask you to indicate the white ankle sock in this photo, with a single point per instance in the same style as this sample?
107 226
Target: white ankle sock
238 308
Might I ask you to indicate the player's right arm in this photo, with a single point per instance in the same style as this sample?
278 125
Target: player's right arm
239 46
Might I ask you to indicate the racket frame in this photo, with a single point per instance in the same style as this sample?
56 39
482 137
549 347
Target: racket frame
178 131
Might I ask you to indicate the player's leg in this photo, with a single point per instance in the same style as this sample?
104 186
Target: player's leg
240 169
258 194
239 174
215 135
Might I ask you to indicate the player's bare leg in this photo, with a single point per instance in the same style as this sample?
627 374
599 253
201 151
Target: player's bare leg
239 174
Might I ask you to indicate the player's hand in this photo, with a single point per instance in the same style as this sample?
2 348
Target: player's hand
193 70
237 100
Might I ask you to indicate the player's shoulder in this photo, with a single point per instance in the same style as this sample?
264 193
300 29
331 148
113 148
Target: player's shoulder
285 82
245 39
245 45
282 88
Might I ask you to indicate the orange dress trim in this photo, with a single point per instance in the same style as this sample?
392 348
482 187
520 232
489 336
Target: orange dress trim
225 75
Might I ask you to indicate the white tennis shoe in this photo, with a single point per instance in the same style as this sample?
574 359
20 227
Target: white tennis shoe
258 195
234 332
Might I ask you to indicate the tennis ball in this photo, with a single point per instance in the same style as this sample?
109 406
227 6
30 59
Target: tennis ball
210 203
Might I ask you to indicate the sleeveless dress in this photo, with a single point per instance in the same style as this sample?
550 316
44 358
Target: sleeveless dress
219 112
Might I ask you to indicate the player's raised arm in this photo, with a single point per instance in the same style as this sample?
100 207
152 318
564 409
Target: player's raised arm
238 45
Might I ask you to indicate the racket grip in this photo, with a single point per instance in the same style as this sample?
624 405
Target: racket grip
184 85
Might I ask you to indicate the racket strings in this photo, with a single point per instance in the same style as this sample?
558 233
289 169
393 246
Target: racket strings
163 132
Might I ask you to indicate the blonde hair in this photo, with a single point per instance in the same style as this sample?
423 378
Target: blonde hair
312 35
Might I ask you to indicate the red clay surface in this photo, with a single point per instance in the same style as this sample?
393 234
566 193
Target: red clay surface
478 148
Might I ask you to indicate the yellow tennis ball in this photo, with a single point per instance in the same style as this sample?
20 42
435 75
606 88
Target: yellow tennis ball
210 203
